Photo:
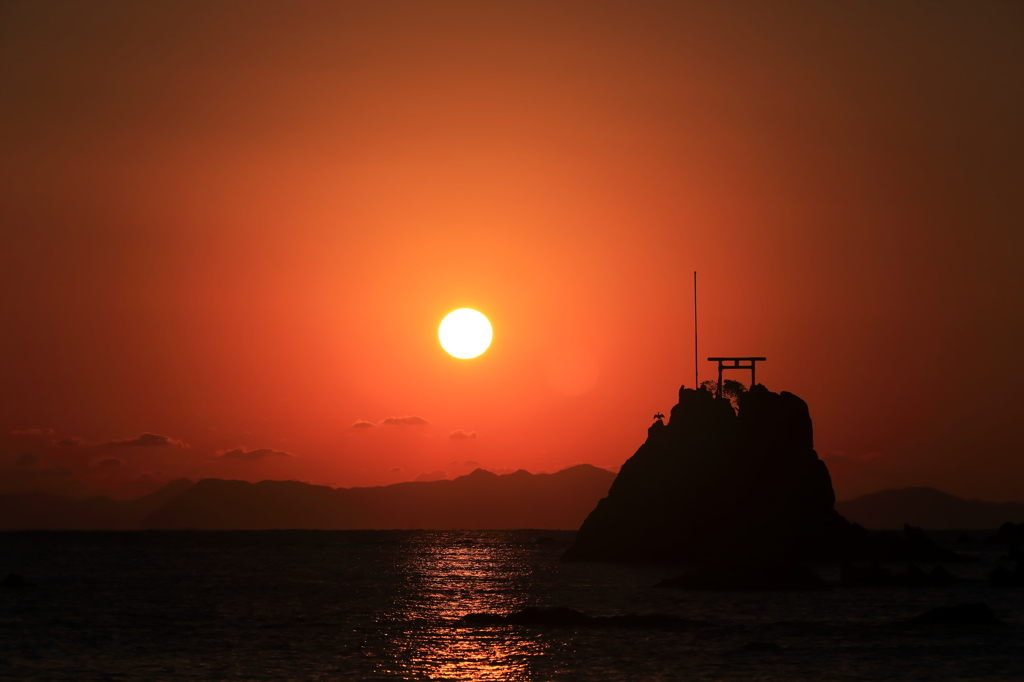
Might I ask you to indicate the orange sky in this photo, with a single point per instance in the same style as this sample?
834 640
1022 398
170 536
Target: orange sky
237 225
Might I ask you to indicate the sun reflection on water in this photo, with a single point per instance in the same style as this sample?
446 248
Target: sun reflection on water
448 577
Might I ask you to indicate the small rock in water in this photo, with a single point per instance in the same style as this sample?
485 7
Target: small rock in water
915 577
558 615
1008 534
1004 577
959 614
939 577
876 576
561 616
748 578
917 546
14 580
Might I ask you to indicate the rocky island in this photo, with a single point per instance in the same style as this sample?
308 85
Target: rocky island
722 485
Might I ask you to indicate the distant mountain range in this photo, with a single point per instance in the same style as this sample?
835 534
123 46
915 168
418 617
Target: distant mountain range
927 508
480 500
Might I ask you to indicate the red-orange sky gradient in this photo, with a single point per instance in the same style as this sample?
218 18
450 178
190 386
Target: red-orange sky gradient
236 226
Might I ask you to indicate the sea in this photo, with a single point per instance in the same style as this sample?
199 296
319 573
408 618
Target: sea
386 605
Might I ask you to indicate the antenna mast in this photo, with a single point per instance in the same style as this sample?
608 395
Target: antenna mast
696 373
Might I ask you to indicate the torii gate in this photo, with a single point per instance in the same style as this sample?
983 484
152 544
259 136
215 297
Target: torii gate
736 364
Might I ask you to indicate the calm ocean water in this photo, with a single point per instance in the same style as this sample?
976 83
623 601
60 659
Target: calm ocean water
383 605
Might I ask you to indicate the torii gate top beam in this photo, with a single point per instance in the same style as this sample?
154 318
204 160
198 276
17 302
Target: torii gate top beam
736 364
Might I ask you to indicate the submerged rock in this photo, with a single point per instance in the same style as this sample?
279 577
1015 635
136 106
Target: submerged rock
1001 576
918 547
561 616
13 580
911 545
959 614
1013 554
558 615
719 486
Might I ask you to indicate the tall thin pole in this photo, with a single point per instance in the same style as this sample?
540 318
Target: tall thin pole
696 364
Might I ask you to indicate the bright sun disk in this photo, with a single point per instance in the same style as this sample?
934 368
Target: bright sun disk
465 333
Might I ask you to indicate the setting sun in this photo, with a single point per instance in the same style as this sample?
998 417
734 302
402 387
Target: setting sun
465 333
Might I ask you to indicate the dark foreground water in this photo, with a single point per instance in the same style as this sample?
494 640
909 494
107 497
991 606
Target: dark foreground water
383 605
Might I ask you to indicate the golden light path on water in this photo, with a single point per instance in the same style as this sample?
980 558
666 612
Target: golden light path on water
445 582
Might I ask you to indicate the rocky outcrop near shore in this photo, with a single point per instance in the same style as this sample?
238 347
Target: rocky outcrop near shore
721 485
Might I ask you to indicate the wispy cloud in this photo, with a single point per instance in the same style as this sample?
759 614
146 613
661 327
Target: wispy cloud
405 421
244 455
149 440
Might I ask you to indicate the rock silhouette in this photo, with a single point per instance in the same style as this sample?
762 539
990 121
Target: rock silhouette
748 578
719 486
916 546
1013 554
14 581
1008 534
1001 576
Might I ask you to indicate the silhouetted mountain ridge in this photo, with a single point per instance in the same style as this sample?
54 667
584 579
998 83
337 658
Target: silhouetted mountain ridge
478 500
927 508
20 511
